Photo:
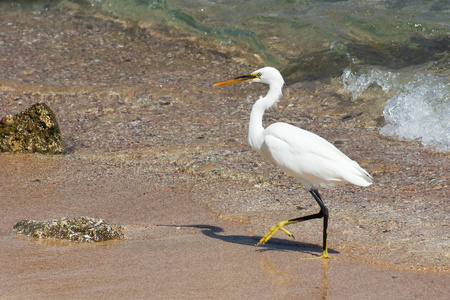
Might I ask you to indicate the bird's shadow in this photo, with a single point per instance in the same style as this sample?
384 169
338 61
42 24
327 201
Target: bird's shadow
276 244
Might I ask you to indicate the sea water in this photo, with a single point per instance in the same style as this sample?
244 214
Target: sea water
401 46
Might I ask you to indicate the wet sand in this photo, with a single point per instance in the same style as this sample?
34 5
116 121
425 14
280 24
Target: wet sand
154 147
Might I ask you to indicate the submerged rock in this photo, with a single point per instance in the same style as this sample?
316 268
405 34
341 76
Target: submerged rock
315 66
83 229
33 130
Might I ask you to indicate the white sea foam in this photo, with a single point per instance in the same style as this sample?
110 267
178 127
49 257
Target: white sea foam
419 110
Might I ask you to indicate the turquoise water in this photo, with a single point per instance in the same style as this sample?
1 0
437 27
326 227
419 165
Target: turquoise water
408 32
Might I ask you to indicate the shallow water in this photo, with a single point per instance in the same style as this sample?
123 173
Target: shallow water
319 39
281 31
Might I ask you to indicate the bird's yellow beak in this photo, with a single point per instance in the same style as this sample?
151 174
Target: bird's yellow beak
249 77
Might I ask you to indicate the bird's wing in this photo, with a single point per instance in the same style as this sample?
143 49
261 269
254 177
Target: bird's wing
309 157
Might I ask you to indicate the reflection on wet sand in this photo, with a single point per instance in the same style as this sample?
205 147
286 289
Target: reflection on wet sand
277 278
324 283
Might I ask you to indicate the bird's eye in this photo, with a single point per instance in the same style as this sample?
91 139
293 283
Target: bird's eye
257 75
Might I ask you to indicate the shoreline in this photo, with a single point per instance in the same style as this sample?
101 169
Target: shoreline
152 143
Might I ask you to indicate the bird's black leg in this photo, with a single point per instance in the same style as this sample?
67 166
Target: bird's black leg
323 213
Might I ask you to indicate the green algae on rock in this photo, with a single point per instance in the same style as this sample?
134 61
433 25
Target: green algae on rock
83 229
33 130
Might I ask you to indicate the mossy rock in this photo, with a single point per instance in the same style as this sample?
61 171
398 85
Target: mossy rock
33 130
82 229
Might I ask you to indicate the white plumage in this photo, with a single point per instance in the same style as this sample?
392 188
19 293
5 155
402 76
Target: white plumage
307 156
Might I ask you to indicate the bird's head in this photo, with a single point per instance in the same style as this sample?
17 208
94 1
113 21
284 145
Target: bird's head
267 75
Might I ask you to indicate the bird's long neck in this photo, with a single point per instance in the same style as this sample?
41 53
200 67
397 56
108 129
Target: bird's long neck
255 137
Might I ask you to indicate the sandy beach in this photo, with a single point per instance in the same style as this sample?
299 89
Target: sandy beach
154 147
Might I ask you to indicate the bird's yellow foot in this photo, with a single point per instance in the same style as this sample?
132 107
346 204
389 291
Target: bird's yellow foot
273 230
325 255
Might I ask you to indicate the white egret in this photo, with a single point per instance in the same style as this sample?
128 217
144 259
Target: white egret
297 152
